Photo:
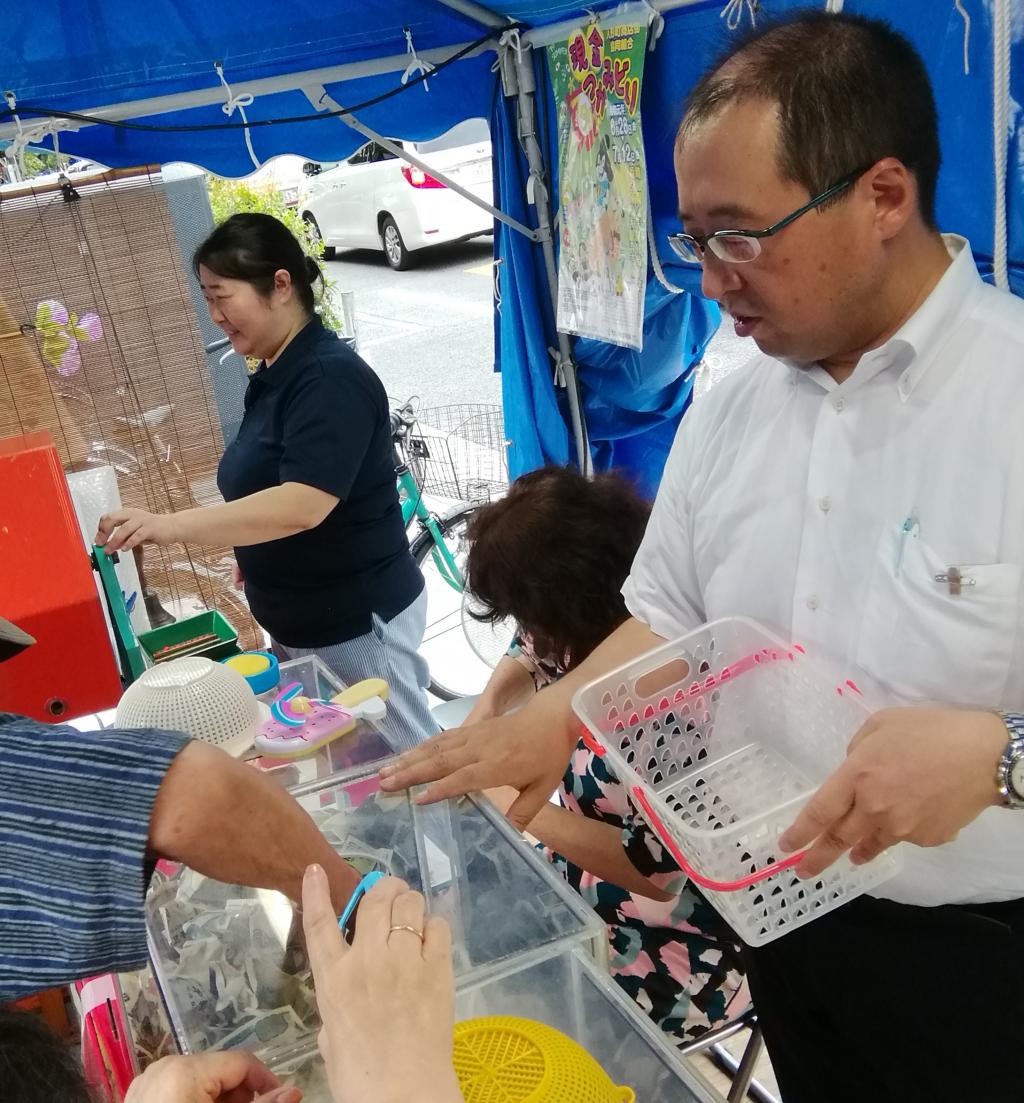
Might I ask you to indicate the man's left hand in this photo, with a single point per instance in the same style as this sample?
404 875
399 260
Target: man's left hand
913 775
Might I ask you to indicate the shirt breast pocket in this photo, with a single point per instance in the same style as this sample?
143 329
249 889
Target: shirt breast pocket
926 643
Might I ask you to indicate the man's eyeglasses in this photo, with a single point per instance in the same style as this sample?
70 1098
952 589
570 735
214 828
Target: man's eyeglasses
741 246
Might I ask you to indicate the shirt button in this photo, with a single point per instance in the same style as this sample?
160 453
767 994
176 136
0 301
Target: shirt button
838 404
812 602
825 504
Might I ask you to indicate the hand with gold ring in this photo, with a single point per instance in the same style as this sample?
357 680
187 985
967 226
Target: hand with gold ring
387 1002
405 927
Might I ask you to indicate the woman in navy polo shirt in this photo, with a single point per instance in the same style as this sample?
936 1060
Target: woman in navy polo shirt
309 484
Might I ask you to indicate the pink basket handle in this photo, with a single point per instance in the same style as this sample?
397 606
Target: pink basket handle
698 878
595 746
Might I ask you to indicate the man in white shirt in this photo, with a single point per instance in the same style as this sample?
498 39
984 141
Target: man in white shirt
859 487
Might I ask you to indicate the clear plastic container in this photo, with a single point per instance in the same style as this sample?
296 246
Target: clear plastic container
233 973
347 754
720 738
564 989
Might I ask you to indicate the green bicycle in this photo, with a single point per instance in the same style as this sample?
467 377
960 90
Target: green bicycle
456 456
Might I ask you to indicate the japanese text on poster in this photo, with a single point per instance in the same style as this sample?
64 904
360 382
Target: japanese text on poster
596 74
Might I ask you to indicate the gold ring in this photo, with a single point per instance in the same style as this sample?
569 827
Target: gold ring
405 927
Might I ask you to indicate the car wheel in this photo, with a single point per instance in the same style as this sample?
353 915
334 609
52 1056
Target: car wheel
395 252
314 232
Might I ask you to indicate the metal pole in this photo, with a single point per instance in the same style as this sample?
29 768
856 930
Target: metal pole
551 32
520 81
323 100
477 12
264 86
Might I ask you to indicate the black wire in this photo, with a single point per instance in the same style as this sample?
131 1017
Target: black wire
121 124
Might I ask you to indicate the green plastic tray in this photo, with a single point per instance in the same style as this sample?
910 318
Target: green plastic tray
226 643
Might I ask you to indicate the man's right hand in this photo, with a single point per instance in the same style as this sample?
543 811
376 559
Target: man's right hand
528 751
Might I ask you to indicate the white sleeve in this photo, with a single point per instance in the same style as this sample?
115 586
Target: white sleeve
663 590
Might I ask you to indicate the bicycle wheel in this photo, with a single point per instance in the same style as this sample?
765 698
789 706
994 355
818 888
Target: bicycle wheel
455 670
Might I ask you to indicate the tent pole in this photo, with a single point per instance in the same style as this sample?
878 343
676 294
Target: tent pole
634 13
319 98
519 80
477 12
213 94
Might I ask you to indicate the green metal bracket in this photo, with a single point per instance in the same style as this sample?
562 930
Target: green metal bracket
128 649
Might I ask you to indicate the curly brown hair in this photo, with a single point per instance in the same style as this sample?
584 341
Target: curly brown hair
553 555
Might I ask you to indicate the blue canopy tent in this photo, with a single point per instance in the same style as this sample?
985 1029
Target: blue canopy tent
157 66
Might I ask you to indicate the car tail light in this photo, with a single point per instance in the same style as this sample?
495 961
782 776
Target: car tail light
420 179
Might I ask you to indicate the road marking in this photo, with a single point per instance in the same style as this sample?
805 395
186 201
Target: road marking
480 269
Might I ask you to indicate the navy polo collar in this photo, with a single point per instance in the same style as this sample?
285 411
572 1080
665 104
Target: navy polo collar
293 357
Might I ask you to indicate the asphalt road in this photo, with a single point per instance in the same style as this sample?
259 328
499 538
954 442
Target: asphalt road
428 331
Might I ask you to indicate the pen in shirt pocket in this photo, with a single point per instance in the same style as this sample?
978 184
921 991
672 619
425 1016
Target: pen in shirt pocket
910 529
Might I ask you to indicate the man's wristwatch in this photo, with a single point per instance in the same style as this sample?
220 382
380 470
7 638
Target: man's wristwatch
1010 775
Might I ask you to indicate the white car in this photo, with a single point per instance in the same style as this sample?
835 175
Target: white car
376 200
77 172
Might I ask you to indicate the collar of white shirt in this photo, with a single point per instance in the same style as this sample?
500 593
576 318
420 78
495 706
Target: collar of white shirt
910 351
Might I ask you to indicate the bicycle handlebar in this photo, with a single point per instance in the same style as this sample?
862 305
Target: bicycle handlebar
402 417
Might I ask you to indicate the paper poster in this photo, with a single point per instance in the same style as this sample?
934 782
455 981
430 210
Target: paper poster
596 74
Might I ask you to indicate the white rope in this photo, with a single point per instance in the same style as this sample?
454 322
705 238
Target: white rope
732 13
965 15
652 248
1000 132
512 40
238 103
21 140
655 25
558 375
416 66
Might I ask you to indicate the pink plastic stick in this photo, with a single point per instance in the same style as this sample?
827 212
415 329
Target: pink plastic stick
698 878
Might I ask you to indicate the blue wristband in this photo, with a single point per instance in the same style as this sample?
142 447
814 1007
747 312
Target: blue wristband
361 890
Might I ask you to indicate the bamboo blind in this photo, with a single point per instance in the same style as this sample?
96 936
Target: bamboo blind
142 400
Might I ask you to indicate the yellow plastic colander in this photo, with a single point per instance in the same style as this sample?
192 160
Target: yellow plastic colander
502 1059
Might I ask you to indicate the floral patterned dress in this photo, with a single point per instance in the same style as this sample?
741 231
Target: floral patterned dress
678 959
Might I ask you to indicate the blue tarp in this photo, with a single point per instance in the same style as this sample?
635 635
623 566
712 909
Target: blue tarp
61 55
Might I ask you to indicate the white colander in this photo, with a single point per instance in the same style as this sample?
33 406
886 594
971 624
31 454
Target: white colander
199 697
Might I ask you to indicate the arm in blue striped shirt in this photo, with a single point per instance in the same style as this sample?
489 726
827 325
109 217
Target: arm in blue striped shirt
82 814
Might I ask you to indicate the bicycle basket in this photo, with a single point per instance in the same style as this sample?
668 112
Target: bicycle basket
720 738
459 452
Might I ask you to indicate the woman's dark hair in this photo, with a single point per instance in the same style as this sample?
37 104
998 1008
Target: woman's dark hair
253 247
850 91
35 1065
553 555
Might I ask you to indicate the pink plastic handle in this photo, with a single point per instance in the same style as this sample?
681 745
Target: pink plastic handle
697 689
592 744
698 878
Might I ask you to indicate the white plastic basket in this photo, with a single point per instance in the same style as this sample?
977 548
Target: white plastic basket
721 737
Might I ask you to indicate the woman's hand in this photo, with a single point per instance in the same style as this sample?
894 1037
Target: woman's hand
387 1002
237 578
233 1076
127 528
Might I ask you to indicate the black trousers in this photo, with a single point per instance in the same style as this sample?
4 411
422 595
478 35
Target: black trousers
886 1003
